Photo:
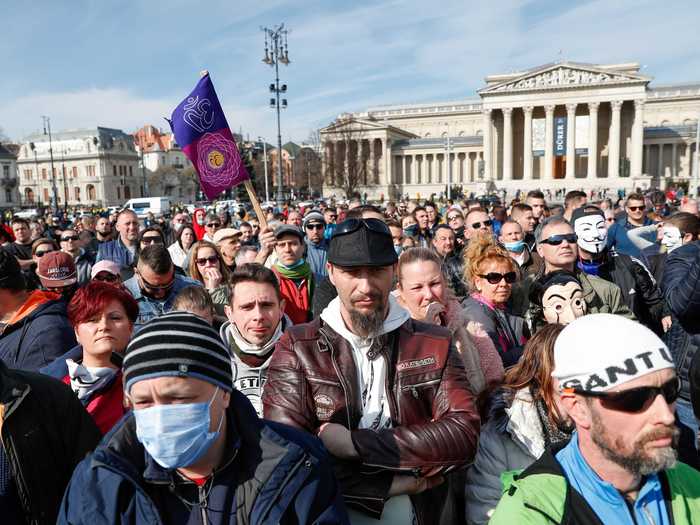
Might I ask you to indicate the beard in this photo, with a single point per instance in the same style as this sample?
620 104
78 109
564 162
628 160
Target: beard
639 461
368 324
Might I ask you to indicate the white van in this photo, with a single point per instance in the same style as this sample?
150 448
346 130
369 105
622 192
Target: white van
144 205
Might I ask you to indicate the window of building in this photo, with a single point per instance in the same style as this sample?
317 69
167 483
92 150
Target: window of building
46 195
43 173
127 192
75 171
8 195
28 174
119 193
6 171
131 171
91 193
76 192
114 169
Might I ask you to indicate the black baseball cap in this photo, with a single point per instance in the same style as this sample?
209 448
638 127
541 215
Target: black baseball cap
362 242
289 229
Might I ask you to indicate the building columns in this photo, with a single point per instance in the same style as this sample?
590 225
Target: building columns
487 143
593 140
674 153
527 144
570 141
660 169
507 143
637 139
647 159
387 162
548 142
614 141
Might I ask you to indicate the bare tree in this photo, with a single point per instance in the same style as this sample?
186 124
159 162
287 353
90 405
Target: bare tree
348 167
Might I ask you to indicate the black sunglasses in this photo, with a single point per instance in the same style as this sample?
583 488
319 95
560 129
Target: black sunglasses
556 240
106 277
70 238
495 277
154 288
635 208
477 225
634 400
352 225
204 260
152 240
455 217
317 226
42 253
213 225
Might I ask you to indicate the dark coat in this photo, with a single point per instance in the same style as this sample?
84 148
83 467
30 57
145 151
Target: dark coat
37 339
45 433
275 474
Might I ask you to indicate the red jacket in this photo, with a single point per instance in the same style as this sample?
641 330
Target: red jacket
297 304
106 406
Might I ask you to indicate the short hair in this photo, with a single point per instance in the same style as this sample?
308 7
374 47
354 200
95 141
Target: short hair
126 211
572 196
416 210
10 272
157 258
256 273
91 300
356 213
245 223
152 229
19 220
556 209
442 226
192 298
243 250
549 221
511 221
535 194
685 222
520 208
211 216
419 253
393 222
43 240
634 197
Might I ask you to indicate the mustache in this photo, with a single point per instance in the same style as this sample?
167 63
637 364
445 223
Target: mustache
365 297
661 433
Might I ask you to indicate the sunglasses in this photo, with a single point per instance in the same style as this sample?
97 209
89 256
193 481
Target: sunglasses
477 225
495 277
352 225
152 240
556 240
315 226
42 253
455 217
635 208
214 225
70 238
153 287
201 261
332 216
106 277
634 400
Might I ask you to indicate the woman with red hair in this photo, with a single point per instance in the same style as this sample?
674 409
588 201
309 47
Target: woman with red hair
103 317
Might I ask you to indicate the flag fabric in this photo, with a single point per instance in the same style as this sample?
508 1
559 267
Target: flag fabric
201 130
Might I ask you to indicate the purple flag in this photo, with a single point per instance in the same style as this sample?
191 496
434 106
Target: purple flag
200 128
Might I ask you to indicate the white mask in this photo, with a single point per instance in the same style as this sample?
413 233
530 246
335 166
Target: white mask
592 233
672 238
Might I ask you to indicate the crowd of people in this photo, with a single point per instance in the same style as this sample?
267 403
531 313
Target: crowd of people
452 362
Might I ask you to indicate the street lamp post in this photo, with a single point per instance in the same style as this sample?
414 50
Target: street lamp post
277 53
267 191
47 125
696 171
448 145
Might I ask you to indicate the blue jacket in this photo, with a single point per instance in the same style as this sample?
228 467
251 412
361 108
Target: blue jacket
150 308
115 251
618 238
316 256
38 338
272 474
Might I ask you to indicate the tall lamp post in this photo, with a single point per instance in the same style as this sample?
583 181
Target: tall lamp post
696 172
276 53
47 125
267 191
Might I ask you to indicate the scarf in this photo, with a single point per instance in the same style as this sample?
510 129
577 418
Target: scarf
87 380
552 433
590 268
299 271
250 354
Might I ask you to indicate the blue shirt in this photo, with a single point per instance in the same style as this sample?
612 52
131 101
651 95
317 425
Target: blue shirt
618 238
604 499
150 308
316 256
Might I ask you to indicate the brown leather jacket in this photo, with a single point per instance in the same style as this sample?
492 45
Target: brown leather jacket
312 380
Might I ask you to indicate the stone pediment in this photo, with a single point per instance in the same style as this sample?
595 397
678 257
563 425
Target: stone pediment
349 124
562 76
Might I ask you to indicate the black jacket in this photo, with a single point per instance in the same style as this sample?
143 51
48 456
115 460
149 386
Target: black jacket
454 273
45 433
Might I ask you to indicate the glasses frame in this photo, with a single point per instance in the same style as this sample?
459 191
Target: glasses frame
477 225
73 238
154 288
670 391
352 225
201 261
556 240
509 277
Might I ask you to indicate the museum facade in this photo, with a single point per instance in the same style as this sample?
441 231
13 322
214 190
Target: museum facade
564 125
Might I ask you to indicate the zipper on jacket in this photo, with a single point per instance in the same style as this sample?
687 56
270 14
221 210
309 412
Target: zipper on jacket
323 381
342 384
203 503
414 388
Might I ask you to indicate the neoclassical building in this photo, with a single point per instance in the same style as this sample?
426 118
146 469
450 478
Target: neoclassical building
563 125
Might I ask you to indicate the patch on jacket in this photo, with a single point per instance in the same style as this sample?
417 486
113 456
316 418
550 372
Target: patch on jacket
324 406
417 363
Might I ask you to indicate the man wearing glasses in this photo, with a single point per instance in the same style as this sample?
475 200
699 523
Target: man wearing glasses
387 395
556 244
72 245
212 224
316 244
618 386
330 217
636 216
155 283
477 221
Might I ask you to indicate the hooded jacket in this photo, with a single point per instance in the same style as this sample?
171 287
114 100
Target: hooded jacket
274 474
37 334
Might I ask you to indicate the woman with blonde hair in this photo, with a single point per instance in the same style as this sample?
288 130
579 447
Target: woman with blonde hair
490 272
207 266
424 292
526 418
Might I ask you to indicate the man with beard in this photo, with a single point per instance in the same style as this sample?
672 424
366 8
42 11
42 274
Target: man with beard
618 385
122 250
255 323
639 290
103 230
387 395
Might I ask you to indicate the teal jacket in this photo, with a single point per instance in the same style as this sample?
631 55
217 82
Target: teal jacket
541 495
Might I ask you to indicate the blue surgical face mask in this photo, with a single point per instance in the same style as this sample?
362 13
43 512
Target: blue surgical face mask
411 230
398 249
176 436
515 246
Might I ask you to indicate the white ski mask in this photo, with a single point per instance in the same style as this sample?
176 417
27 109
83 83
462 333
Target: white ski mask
592 233
672 238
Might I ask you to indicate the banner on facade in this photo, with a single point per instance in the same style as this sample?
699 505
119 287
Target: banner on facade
200 128
538 133
559 136
582 127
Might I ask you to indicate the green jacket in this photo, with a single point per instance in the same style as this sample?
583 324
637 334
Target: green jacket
541 495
